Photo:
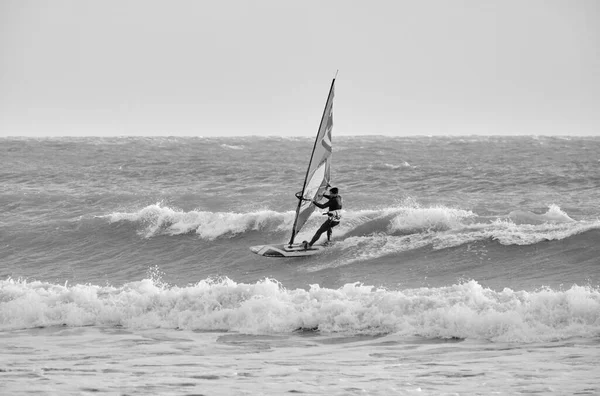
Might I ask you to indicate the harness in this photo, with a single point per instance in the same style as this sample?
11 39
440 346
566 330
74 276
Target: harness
334 215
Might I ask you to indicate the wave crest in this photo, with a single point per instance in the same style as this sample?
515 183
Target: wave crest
553 215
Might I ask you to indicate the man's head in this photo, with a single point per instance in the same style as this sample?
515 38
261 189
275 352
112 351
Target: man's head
333 190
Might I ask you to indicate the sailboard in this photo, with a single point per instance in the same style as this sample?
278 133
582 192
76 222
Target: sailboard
315 184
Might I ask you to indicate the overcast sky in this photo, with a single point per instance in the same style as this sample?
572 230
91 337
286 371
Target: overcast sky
232 68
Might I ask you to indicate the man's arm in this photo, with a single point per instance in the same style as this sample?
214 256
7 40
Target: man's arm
322 206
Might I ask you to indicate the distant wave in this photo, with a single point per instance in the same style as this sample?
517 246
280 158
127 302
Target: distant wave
553 215
466 310
388 166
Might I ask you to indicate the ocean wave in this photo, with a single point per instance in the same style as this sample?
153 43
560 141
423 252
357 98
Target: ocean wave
499 236
396 230
379 232
437 218
466 310
553 215
158 219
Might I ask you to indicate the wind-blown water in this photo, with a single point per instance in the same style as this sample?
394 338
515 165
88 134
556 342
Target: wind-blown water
462 265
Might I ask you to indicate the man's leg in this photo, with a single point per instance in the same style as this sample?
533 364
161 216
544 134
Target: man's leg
324 227
332 224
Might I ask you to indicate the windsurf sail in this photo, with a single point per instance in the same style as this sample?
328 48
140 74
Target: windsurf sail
317 176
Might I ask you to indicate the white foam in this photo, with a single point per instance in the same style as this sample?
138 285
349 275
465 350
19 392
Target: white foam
465 310
437 218
232 147
401 165
553 215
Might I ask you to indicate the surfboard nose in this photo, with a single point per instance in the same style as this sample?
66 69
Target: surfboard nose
255 249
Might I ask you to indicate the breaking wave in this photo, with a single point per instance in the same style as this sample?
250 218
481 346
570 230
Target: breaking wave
466 310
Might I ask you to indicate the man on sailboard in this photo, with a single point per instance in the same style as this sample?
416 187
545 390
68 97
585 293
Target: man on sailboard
333 206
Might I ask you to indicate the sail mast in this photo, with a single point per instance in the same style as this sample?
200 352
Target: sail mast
301 197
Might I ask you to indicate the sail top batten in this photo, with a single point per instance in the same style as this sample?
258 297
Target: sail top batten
318 172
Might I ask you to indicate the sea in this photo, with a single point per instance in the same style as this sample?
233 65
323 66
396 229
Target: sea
462 266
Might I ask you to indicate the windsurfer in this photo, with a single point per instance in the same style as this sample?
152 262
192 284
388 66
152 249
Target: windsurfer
334 206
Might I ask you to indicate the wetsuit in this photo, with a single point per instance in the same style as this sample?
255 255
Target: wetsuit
334 206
